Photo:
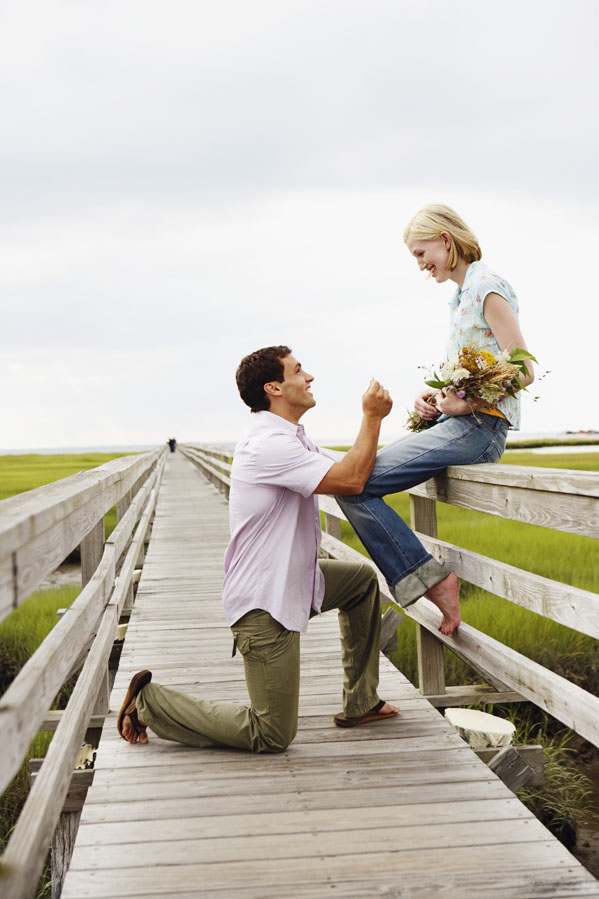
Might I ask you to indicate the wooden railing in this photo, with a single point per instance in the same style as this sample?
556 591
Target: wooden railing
38 530
215 463
552 498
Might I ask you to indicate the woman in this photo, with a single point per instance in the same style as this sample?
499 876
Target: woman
484 310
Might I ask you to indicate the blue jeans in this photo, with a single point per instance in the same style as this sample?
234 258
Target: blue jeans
463 440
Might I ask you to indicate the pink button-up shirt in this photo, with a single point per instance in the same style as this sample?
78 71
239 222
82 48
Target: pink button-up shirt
271 562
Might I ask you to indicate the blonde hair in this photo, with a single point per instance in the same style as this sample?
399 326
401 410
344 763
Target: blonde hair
435 218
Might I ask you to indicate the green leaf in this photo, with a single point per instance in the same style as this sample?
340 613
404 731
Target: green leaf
519 355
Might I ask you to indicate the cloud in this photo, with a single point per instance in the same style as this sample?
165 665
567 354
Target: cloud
184 183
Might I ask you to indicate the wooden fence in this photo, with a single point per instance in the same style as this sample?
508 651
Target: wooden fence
38 530
553 498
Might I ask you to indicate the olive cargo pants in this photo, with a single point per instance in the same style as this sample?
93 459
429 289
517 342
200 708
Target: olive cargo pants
271 658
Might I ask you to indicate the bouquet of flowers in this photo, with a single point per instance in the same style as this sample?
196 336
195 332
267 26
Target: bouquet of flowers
476 374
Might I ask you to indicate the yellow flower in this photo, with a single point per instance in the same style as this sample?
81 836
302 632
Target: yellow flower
475 359
488 357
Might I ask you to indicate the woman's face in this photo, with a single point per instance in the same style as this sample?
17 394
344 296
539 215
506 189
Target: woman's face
432 256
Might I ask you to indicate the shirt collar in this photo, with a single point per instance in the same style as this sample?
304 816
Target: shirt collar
268 421
455 300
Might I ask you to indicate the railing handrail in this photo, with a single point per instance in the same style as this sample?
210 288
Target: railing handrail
39 528
62 515
558 499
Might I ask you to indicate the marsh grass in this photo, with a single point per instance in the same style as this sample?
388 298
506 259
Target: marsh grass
25 628
566 796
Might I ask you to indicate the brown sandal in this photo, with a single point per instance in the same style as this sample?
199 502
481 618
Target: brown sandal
136 683
374 714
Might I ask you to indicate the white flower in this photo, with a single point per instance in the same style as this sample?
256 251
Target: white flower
450 364
460 375
503 357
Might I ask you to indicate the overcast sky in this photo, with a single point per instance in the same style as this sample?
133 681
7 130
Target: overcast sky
185 182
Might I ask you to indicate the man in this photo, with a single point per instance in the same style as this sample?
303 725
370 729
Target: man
273 580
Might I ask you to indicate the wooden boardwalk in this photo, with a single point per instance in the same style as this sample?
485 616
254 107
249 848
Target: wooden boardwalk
401 809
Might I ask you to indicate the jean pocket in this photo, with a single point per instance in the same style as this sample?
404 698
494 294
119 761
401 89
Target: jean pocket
241 642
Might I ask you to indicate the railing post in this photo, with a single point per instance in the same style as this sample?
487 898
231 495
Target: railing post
431 673
332 526
91 547
121 508
63 843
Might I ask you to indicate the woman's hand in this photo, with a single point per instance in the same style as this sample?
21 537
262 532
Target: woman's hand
424 409
450 404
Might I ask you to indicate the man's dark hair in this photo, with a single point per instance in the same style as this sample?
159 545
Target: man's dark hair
256 370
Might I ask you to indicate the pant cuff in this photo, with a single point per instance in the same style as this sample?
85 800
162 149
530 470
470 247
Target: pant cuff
414 585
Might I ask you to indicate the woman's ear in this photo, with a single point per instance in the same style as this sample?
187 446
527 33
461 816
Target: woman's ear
447 240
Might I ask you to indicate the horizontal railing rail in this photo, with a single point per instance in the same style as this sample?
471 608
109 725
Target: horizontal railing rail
557 499
38 530
215 462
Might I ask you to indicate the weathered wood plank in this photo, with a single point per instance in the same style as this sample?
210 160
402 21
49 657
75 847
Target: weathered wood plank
432 872
24 705
232 849
27 848
148 808
39 528
337 810
92 548
307 821
574 514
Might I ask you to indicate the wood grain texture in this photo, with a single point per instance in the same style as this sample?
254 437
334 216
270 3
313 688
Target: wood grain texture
39 528
24 705
403 808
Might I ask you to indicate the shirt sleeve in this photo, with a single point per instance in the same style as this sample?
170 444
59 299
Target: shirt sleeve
492 283
335 455
282 461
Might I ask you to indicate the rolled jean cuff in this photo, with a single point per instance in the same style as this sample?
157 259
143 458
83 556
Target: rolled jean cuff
414 585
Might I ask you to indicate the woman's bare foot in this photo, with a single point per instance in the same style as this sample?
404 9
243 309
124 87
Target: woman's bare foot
446 596
134 729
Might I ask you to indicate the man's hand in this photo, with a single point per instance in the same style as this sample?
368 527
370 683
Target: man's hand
350 475
376 401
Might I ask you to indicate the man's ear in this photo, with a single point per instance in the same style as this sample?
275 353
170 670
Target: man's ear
273 388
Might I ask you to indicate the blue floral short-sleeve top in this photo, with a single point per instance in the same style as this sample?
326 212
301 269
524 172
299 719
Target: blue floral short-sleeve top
467 322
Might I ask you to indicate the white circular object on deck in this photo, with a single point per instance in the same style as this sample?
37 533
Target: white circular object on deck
479 729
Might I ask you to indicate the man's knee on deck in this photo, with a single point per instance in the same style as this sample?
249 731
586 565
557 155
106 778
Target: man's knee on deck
277 735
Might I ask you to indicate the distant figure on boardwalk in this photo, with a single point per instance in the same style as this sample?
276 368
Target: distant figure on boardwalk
483 312
172 444
274 581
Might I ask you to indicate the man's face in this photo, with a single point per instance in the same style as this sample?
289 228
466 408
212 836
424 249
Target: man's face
295 389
